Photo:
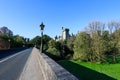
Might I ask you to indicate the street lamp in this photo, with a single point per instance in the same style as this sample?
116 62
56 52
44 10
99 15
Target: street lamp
42 28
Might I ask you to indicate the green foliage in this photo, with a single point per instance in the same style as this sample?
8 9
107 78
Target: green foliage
52 44
3 36
97 44
68 57
59 49
46 40
82 46
14 41
70 44
99 47
53 48
53 51
17 41
36 41
93 48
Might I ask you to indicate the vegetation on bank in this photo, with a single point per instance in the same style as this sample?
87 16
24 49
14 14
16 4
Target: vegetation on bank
99 43
15 41
91 71
94 54
8 40
95 51
57 50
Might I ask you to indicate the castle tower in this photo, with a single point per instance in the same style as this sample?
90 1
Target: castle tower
65 33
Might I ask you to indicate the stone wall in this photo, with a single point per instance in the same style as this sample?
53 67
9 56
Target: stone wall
41 67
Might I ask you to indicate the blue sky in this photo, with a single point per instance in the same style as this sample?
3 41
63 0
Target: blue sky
23 17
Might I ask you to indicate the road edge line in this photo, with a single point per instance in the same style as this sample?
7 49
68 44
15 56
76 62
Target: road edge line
5 59
24 68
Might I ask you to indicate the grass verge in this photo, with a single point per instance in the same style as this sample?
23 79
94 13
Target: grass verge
90 71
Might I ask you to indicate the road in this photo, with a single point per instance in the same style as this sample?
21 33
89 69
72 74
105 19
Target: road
12 66
5 53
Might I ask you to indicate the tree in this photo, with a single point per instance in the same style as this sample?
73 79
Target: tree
113 25
106 43
99 46
96 29
17 41
59 47
95 26
4 44
52 50
114 36
36 41
46 40
70 42
116 44
5 30
82 46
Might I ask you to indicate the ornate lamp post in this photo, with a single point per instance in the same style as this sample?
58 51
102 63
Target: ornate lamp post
42 28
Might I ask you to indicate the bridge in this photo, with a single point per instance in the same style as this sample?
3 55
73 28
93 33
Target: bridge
30 64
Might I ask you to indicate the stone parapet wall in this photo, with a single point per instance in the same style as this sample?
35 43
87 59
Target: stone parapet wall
40 67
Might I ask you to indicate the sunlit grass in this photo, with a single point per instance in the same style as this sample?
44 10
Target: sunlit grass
91 71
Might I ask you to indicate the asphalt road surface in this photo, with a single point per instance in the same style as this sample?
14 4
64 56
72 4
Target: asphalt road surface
12 66
8 52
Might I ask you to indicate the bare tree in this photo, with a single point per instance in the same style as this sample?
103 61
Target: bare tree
112 26
95 26
117 25
5 30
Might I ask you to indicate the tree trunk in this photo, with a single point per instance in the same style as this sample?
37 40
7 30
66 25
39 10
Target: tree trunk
114 57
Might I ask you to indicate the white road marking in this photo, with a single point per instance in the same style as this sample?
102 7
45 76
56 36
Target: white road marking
5 59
